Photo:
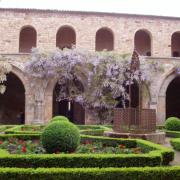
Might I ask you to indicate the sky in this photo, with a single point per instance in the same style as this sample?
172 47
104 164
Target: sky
147 7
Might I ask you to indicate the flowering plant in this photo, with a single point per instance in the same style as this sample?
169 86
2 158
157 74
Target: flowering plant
93 79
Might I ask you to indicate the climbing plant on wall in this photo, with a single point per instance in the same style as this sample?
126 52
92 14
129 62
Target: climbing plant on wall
5 68
93 79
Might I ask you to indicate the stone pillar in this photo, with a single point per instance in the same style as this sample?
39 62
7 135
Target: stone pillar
39 106
48 113
39 112
161 110
29 108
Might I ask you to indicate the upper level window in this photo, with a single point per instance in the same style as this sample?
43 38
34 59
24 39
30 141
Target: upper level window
175 44
65 37
104 40
27 39
142 42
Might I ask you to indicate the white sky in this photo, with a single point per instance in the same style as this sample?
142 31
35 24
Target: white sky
147 7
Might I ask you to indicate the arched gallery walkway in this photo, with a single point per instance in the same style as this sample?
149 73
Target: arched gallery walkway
12 102
173 98
73 110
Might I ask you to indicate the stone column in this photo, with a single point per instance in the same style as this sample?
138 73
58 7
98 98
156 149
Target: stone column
29 108
161 110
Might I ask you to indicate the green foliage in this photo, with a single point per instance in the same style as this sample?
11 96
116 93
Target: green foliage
19 136
156 155
25 129
59 118
144 173
3 152
175 143
80 160
172 124
60 136
167 154
175 134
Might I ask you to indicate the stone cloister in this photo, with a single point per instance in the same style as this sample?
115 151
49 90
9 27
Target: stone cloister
20 30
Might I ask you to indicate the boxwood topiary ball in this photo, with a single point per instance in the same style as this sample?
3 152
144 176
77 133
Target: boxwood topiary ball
60 136
172 124
59 118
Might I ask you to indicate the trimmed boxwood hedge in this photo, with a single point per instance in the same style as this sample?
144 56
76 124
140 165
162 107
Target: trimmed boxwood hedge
146 173
175 143
175 134
20 136
17 130
80 160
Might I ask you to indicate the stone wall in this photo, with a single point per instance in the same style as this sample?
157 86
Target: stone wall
124 27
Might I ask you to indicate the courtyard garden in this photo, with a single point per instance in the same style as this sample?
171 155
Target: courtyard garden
24 153
59 149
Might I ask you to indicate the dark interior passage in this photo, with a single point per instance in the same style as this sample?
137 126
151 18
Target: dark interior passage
173 98
72 110
12 102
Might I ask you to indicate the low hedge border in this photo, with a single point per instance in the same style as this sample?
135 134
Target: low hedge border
19 136
166 153
17 130
94 132
146 173
157 156
175 143
175 134
84 129
6 127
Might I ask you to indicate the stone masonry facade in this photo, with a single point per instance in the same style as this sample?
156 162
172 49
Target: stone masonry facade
38 97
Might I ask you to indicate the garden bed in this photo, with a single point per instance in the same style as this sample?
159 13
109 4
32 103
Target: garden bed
153 155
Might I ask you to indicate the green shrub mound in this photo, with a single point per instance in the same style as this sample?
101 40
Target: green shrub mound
59 118
172 124
60 136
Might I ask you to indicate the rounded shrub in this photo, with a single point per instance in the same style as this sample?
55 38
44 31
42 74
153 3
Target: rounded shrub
59 118
60 136
172 124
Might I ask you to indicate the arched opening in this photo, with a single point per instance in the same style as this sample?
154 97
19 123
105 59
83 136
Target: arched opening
104 40
65 37
173 98
27 39
134 97
142 43
175 44
73 110
12 102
